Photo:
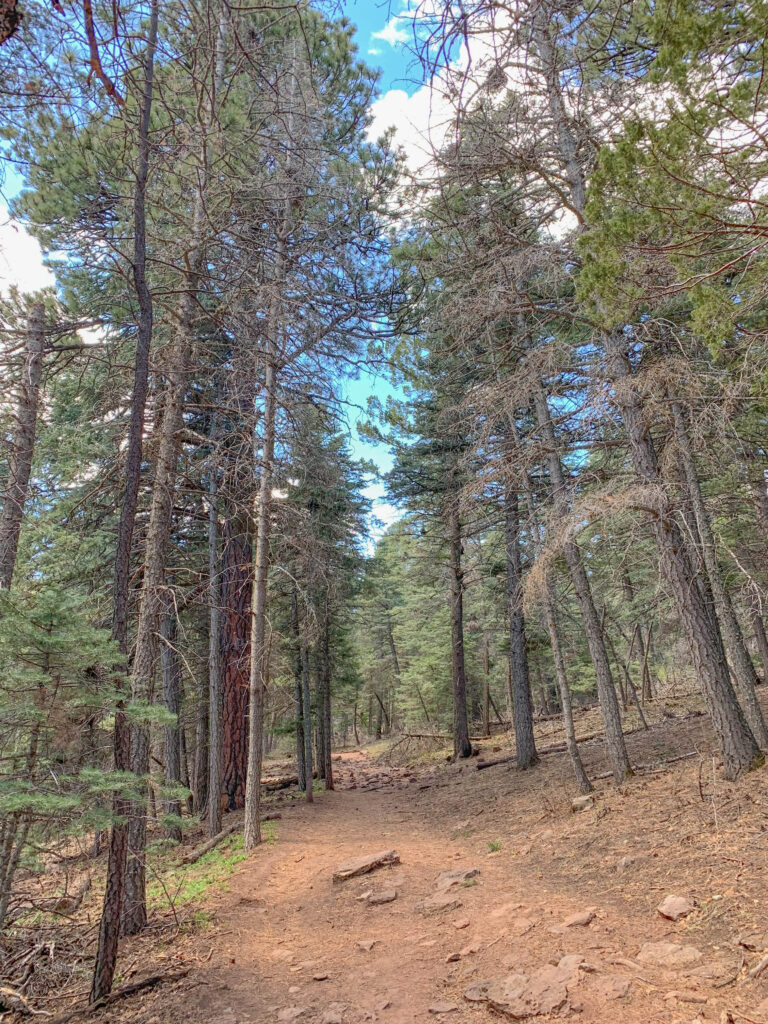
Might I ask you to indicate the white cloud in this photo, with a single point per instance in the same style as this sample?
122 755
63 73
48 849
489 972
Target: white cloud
373 51
395 32
21 261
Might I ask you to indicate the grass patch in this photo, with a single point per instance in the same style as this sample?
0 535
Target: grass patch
173 885
494 846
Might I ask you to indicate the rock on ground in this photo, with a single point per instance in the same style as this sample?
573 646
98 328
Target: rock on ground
544 991
447 879
675 907
669 955
385 896
581 919
363 865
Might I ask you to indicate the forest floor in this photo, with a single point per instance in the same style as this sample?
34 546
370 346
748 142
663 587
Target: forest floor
281 941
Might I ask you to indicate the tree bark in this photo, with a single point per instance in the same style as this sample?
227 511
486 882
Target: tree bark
743 669
522 705
325 678
462 746
236 588
214 759
564 693
739 750
259 653
297 688
252 829
606 693
161 515
112 907
171 675
486 688
23 444
758 628
307 702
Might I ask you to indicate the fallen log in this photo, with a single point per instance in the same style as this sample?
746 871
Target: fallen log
194 855
560 748
554 748
282 782
651 769
121 993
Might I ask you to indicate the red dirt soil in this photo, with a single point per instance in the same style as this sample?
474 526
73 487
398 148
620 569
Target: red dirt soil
284 944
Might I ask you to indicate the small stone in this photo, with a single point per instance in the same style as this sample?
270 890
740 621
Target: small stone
675 907
581 919
625 863
668 954
614 986
289 1013
334 1014
294 989
458 876
366 944
478 992
320 976
472 947
383 1004
583 803
364 896
440 902
463 922
377 899
443 1008
686 997
453 958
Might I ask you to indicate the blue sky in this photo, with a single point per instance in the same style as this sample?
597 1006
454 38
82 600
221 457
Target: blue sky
383 36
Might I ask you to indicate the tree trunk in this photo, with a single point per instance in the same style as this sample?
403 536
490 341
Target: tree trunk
461 743
325 679
259 653
522 705
171 675
112 907
758 628
319 715
564 693
153 583
214 759
307 702
739 749
236 586
743 669
252 830
606 693
23 445
297 688
486 688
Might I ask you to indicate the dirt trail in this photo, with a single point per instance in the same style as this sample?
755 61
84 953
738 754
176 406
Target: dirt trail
289 944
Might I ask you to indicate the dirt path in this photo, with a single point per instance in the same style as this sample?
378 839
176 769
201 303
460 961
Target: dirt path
289 944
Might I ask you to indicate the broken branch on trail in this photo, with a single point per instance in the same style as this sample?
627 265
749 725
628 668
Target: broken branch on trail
121 993
195 855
